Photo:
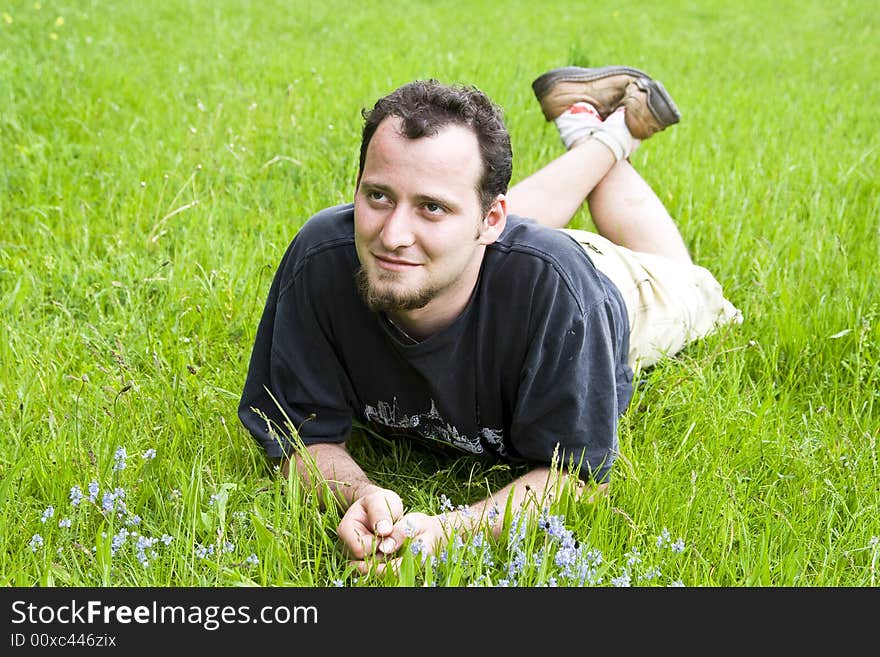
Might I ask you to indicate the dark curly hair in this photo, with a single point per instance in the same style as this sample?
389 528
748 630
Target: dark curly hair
427 106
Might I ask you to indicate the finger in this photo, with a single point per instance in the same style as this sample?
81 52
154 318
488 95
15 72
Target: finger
356 538
383 511
366 544
394 540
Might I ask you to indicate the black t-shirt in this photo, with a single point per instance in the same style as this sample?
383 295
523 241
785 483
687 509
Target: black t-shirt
538 357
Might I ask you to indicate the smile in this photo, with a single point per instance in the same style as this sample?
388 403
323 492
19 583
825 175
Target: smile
395 264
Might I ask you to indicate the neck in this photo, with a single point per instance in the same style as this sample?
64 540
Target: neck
441 311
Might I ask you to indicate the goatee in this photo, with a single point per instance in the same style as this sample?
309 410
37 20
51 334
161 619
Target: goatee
379 300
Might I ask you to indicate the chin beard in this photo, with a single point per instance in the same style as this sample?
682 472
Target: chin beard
386 300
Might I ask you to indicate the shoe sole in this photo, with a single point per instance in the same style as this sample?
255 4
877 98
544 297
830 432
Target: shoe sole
659 102
542 85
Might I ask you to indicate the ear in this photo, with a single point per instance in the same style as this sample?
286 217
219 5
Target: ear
494 222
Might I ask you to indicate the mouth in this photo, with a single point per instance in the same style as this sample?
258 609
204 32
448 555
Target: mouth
395 264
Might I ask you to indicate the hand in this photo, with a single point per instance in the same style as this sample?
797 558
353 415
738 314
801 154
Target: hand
369 526
426 535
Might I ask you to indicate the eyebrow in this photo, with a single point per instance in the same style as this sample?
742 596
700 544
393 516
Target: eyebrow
420 198
375 187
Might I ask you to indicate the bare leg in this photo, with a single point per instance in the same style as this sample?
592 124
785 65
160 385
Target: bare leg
552 195
624 208
627 211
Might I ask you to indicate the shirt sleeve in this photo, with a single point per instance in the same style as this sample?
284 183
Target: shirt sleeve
294 390
568 391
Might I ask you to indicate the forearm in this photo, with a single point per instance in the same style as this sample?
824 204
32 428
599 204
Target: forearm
529 493
330 465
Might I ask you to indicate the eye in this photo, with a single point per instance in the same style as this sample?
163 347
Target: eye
433 208
376 196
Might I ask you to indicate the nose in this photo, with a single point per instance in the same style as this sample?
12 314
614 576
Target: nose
397 231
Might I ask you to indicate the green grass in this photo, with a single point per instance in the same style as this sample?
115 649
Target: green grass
156 161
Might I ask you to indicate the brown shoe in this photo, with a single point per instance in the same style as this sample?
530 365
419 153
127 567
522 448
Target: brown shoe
649 108
603 87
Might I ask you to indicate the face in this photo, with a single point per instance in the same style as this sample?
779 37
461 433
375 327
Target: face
420 232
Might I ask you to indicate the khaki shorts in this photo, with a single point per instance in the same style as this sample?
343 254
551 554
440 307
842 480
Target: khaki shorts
669 304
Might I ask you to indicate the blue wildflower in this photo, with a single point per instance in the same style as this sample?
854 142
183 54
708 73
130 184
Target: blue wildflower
108 501
36 542
65 523
554 526
143 544
119 458
634 558
517 533
516 563
623 581
149 454
48 513
204 552
651 573
75 495
465 511
417 547
664 539
118 540
566 558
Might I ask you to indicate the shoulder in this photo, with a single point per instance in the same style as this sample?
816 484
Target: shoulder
534 255
330 227
325 242
526 234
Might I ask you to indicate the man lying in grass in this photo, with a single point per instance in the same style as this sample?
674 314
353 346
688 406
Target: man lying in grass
444 307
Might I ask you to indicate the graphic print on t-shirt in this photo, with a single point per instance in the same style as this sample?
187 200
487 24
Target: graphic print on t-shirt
432 427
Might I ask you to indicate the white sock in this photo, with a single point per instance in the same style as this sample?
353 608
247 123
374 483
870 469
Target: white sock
616 136
577 123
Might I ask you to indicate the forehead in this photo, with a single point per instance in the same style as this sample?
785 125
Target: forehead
452 155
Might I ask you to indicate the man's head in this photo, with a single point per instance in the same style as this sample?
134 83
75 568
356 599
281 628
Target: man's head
425 107
435 165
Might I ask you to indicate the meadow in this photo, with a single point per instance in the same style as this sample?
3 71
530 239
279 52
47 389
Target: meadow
157 158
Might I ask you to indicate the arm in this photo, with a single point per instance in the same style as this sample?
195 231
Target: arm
329 464
529 493
370 510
